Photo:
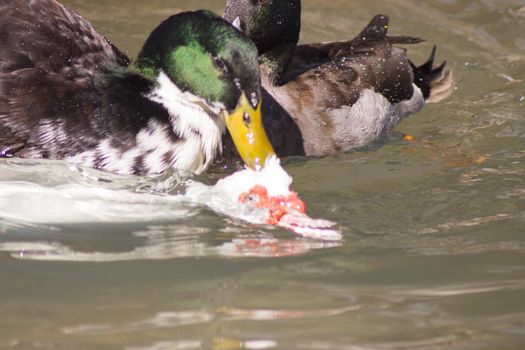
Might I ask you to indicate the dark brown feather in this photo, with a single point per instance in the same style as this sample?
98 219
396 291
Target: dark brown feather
56 99
45 34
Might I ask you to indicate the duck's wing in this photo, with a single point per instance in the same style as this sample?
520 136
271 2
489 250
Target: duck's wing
46 35
56 116
365 43
435 82
54 101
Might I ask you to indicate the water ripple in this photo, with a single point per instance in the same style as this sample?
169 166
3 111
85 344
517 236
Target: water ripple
165 319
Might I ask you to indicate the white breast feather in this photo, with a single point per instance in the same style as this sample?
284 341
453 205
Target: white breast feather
200 136
372 116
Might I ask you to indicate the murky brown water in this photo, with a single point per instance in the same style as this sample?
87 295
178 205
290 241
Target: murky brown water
434 248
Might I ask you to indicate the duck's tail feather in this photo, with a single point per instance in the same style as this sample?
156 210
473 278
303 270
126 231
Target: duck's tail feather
435 83
377 29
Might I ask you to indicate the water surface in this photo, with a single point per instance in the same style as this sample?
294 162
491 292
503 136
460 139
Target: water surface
433 255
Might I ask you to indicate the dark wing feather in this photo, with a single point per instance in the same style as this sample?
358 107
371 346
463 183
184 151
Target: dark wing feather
55 117
364 43
56 99
45 34
369 61
43 109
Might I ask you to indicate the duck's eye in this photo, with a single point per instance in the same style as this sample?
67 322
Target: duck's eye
219 63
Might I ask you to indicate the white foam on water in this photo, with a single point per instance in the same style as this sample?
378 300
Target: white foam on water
84 201
58 194
75 203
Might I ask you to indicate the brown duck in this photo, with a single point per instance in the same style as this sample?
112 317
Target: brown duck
322 99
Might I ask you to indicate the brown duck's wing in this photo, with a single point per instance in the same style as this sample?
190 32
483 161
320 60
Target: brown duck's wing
385 69
46 35
369 61
435 82
363 44
53 116
51 96
373 37
47 115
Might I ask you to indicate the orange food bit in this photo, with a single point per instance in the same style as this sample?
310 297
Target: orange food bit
408 138
278 206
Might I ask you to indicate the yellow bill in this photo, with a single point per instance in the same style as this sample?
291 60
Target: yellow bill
247 131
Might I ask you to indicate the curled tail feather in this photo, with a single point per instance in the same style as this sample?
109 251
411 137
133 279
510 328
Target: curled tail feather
435 83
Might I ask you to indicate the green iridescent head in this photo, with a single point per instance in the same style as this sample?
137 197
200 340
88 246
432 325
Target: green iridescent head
203 54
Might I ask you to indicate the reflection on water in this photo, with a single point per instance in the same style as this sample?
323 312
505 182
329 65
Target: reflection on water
433 249
176 319
171 245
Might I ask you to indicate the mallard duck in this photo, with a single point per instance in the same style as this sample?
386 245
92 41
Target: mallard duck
66 92
333 97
